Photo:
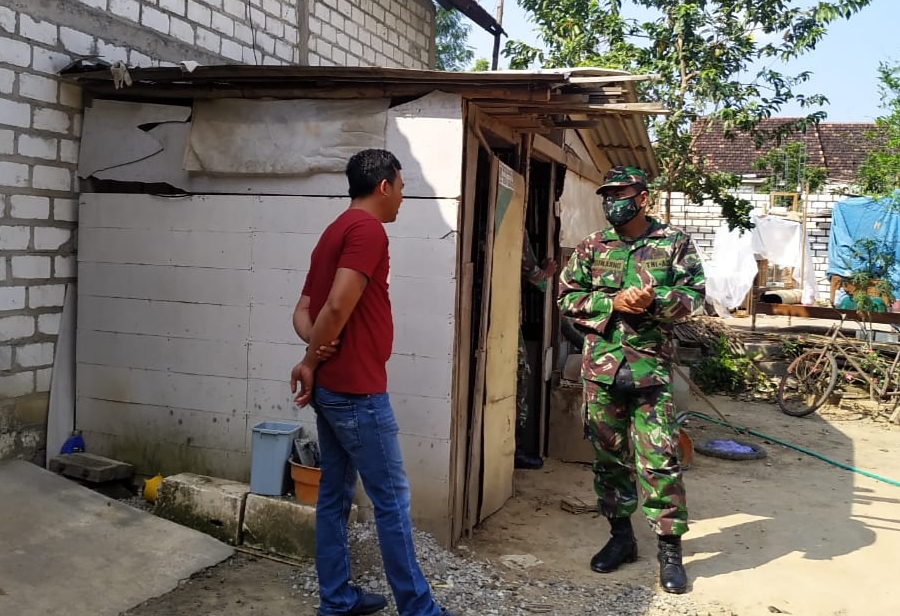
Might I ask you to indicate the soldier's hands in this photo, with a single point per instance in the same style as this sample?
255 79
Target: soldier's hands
634 301
622 302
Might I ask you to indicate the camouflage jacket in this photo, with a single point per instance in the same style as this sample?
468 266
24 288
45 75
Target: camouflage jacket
601 266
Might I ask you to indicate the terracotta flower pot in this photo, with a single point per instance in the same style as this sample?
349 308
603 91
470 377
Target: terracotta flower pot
306 483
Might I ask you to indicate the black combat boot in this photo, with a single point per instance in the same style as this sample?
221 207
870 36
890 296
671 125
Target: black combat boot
672 576
621 548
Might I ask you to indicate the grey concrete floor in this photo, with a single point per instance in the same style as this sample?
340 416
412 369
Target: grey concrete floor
65 549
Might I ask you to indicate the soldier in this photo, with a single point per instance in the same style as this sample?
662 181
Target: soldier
624 287
537 276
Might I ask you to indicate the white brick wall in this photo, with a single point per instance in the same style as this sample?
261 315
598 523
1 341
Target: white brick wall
702 221
395 33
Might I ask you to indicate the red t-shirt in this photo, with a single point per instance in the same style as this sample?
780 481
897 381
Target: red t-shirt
355 240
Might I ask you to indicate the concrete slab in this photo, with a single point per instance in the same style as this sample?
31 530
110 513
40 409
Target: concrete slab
282 525
208 504
68 550
90 467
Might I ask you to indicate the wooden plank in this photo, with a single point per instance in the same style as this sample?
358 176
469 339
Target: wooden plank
420 376
548 357
822 312
555 153
610 78
177 319
502 339
485 122
140 211
476 429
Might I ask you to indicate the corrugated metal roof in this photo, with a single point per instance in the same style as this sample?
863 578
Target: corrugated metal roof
601 104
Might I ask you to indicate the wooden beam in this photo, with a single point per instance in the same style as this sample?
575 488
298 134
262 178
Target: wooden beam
553 152
611 78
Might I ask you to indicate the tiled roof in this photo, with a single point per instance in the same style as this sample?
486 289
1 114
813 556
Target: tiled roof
840 148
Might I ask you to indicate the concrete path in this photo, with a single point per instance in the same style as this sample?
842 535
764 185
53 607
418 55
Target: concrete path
65 549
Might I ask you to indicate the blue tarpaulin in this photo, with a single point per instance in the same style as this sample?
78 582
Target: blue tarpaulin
861 218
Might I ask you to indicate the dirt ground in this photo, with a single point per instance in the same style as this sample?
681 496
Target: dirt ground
786 534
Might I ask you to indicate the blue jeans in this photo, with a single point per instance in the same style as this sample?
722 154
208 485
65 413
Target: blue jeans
359 433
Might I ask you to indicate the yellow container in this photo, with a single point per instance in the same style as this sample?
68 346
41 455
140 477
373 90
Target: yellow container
151 486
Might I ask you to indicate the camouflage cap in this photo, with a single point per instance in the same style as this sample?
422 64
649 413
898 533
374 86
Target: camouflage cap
623 176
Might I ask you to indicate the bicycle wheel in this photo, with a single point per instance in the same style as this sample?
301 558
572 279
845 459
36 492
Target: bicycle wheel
808 382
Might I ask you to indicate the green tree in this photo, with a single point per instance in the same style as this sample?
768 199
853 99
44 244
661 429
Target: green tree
788 170
452 52
706 54
481 65
879 173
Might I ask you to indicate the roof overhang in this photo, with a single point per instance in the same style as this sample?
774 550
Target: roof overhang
600 104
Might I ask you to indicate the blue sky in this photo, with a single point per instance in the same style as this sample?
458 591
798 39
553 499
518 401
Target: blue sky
844 65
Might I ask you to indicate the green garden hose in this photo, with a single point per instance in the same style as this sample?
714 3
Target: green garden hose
808 452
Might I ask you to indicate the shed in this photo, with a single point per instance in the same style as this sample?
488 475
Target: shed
204 192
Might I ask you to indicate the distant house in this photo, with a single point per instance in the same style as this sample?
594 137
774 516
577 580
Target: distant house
838 147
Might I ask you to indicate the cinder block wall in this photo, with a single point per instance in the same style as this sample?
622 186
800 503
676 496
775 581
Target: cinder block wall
702 220
40 127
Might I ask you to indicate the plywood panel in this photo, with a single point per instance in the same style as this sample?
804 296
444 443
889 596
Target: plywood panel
165 424
297 214
201 393
425 218
194 213
420 376
223 250
184 355
502 342
424 135
424 333
182 320
200 285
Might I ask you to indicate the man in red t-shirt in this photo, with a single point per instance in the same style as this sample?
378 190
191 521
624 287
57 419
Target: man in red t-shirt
344 313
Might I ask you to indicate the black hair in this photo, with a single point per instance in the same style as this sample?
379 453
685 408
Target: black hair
366 170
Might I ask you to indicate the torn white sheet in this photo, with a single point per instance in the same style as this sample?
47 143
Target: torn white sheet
290 137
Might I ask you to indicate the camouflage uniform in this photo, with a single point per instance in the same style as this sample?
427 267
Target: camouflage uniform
532 272
626 366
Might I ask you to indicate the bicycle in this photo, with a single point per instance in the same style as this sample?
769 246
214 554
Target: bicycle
812 377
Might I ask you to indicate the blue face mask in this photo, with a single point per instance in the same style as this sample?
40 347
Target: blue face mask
620 211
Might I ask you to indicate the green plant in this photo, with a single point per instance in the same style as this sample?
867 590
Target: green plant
788 171
724 371
452 52
872 262
793 346
879 172
715 65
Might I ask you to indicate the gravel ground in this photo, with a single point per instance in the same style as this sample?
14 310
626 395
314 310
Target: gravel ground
471 587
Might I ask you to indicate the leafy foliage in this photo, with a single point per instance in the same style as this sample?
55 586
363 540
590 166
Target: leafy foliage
724 371
785 166
706 54
872 263
481 65
452 52
879 173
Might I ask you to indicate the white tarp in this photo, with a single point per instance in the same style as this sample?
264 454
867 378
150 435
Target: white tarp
731 270
288 137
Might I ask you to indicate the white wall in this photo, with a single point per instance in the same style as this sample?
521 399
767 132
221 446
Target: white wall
184 330
40 128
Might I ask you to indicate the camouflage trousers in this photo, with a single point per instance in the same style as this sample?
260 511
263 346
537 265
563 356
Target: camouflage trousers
523 371
635 439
